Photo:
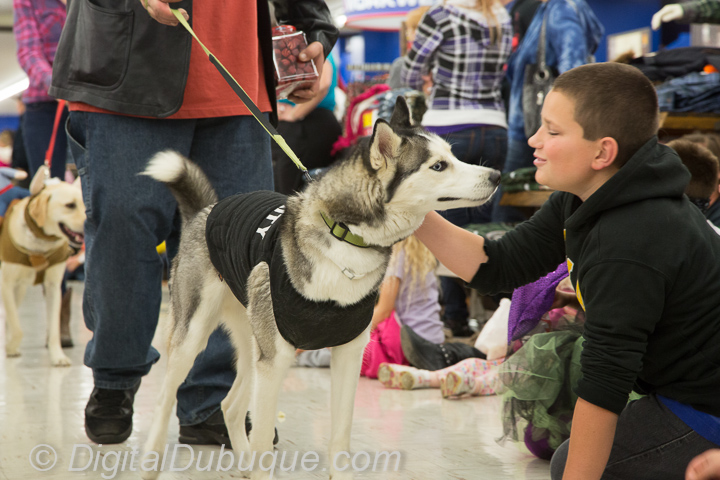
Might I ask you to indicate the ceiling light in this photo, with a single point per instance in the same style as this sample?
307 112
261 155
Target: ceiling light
14 89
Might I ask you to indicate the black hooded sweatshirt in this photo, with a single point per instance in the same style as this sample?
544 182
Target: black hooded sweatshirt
646 268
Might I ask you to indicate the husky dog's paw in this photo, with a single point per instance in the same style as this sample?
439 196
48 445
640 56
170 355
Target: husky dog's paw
60 360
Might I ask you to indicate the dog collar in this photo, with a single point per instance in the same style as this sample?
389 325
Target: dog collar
340 231
34 227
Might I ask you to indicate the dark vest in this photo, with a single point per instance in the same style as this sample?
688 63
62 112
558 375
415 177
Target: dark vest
242 231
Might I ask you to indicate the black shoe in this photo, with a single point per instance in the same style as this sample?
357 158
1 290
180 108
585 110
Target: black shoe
459 328
108 415
213 431
431 356
421 353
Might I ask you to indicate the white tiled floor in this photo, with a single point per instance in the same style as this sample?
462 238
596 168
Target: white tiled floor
437 439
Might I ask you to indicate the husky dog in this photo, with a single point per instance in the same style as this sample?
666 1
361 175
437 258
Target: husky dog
280 273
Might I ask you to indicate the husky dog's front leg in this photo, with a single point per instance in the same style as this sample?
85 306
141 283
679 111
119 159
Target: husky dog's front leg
344 373
270 372
274 357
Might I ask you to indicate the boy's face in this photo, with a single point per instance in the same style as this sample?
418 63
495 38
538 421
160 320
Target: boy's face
562 156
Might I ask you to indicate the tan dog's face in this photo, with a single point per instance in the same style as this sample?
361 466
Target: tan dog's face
59 210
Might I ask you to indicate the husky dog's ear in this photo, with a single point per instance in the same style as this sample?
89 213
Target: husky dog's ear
38 181
38 208
384 145
401 117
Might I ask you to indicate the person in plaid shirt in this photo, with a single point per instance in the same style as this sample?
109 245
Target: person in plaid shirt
37 26
463 46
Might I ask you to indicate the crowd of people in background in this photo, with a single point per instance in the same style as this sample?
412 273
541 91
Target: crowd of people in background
469 61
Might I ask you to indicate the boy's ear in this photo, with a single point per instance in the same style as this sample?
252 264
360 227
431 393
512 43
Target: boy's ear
384 145
607 153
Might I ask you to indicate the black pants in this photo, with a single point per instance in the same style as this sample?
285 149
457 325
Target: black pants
651 443
311 139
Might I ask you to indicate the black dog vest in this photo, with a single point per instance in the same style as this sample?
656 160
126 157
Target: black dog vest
242 231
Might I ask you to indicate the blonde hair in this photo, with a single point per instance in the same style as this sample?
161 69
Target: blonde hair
412 20
6 138
486 8
419 262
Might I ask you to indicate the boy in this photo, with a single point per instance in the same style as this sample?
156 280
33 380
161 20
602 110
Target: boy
704 169
644 263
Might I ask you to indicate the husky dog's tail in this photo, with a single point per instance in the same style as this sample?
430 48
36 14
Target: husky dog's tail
188 184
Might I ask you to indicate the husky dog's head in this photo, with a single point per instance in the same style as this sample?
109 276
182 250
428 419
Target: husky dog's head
398 175
420 172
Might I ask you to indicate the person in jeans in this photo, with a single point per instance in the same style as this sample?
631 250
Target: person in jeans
573 34
37 26
466 44
139 84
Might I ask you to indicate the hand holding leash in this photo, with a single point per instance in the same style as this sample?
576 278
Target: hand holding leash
160 11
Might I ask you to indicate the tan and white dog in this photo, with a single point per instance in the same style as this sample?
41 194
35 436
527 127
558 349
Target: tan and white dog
37 233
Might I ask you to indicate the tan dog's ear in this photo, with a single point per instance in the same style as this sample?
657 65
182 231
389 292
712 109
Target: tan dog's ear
76 183
38 181
38 208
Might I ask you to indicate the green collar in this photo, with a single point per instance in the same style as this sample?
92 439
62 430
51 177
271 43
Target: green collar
340 231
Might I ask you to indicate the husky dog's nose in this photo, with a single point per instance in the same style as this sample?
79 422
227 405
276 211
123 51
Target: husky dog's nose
495 177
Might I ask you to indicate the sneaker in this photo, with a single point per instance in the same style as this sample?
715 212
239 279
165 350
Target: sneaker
403 377
455 384
213 431
108 415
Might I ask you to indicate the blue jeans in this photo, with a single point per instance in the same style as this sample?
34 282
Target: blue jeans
519 155
486 146
128 216
37 128
15 193
650 443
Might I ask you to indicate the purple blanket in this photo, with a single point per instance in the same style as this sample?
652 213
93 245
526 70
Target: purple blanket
530 302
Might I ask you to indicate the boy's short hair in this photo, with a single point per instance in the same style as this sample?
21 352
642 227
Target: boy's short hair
612 100
703 166
711 141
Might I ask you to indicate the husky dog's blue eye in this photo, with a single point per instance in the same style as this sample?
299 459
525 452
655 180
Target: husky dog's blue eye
439 166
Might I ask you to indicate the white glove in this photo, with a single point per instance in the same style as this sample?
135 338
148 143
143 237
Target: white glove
667 14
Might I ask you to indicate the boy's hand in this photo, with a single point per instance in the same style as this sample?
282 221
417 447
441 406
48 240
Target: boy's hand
705 466
160 11
315 53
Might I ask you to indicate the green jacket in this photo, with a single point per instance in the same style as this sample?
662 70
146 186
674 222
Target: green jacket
645 264
701 11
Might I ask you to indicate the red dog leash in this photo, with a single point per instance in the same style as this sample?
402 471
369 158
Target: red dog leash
51 147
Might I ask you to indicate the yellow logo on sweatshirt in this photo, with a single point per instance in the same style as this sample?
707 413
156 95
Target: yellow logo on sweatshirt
579 295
